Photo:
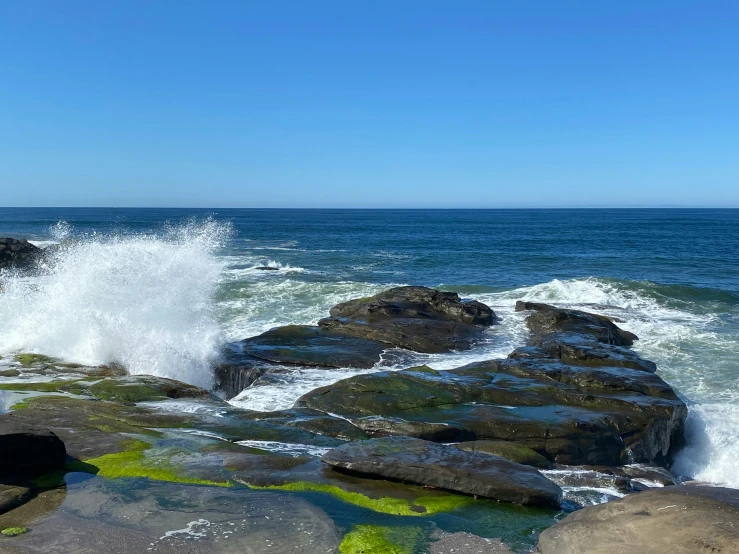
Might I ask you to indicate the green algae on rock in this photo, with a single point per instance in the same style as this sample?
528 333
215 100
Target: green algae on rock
376 539
14 531
421 506
28 360
133 462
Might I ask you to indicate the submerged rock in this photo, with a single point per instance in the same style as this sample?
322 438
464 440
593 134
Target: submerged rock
18 253
12 496
100 515
445 467
678 519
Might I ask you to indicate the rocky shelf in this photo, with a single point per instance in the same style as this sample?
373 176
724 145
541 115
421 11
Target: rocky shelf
415 444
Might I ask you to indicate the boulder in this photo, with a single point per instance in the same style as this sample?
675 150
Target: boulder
446 467
549 319
672 520
415 318
28 448
18 253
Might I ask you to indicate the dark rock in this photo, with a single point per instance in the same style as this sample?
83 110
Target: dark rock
313 346
548 319
357 335
231 379
415 318
446 467
507 450
567 395
267 268
376 426
312 421
390 393
23 447
658 521
18 253
577 349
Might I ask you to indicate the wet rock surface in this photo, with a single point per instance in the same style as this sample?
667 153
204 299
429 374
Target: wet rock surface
445 467
99 516
12 496
359 334
574 395
571 396
415 318
673 520
18 253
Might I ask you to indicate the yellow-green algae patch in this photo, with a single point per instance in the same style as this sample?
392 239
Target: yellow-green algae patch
73 386
133 462
27 360
14 531
375 539
422 506
26 402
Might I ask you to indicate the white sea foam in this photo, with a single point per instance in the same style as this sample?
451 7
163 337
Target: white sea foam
143 301
291 449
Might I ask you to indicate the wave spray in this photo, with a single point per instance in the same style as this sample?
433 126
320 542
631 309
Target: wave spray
144 301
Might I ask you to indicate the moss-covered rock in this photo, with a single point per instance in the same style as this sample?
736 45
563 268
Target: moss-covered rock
142 388
509 451
29 360
376 539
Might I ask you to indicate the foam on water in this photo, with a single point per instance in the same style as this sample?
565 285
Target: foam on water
143 301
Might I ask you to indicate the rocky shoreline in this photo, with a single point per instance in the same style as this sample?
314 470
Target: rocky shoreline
417 444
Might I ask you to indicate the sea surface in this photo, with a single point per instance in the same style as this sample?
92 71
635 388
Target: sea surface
162 290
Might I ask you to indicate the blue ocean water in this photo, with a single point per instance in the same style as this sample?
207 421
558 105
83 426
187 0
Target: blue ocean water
161 290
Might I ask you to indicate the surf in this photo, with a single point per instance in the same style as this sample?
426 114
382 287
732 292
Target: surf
144 301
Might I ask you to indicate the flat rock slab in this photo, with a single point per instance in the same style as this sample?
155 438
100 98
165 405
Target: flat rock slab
314 346
673 520
25 447
507 450
446 467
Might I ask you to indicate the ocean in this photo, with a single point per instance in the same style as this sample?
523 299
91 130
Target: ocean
161 291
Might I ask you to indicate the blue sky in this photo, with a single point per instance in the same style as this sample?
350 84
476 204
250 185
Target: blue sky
369 103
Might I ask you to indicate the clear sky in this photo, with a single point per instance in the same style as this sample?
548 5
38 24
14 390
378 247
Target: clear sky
369 103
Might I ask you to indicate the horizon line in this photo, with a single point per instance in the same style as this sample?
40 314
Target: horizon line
574 207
